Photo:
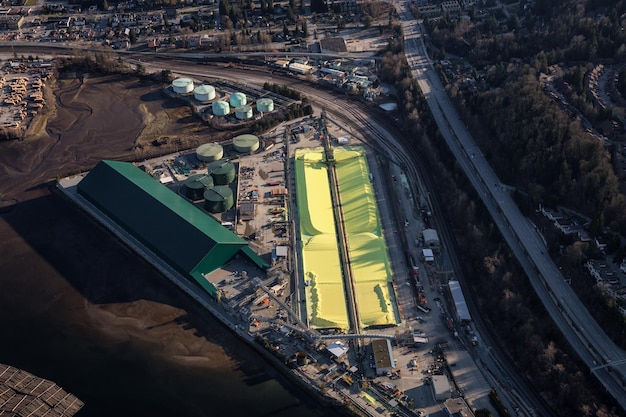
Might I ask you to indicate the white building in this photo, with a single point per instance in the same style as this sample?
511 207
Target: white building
431 239
337 349
462 312
441 387
300 68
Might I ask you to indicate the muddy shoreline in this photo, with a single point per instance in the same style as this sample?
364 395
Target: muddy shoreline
80 309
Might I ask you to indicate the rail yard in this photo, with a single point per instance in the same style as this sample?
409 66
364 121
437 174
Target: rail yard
339 300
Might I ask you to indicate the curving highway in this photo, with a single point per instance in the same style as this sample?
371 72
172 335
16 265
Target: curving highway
605 359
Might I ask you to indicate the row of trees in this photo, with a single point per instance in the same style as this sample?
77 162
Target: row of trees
535 144
516 122
243 11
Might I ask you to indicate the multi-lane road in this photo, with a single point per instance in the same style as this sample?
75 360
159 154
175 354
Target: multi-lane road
605 359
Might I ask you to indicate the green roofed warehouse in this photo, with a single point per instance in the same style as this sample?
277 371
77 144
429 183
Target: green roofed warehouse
187 238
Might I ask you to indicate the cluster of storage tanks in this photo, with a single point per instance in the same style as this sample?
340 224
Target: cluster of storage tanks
214 185
206 93
238 101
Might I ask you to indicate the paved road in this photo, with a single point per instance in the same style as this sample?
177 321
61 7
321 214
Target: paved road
591 343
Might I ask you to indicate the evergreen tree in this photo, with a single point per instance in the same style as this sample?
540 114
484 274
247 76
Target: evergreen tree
166 76
367 21
224 8
305 29
319 6
290 14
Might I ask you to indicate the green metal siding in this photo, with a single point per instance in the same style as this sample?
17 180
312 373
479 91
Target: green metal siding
258 261
183 235
208 287
215 258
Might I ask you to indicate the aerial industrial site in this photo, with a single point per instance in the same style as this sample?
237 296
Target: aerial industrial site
284 238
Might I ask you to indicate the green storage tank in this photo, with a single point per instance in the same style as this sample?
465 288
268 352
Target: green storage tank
265 105
223 172
220 108
194 186
238 99
218 199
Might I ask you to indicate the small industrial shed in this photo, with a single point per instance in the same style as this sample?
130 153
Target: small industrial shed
431 239
383 356
247 210
281 251
337 349
460 305
457 407
441 387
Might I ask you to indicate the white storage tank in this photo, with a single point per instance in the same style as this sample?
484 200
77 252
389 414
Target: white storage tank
238 99
265 105
246 143
220 108
243 112
183 85
209 152
204 93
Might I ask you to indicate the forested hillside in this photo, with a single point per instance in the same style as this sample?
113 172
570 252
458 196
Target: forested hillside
536 147
532 143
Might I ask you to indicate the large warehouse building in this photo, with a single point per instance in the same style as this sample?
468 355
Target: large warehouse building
188 239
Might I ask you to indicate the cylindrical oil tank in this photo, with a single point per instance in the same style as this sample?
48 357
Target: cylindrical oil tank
265 105
210 152
220 108
246 143
183 85
238 99
243 112
223 172
204 93
218 199
195 186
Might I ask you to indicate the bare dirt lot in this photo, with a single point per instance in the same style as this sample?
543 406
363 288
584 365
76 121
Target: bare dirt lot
93 118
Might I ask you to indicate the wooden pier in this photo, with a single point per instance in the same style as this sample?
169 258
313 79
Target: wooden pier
24 394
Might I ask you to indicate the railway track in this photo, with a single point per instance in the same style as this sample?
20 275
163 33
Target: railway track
396 147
